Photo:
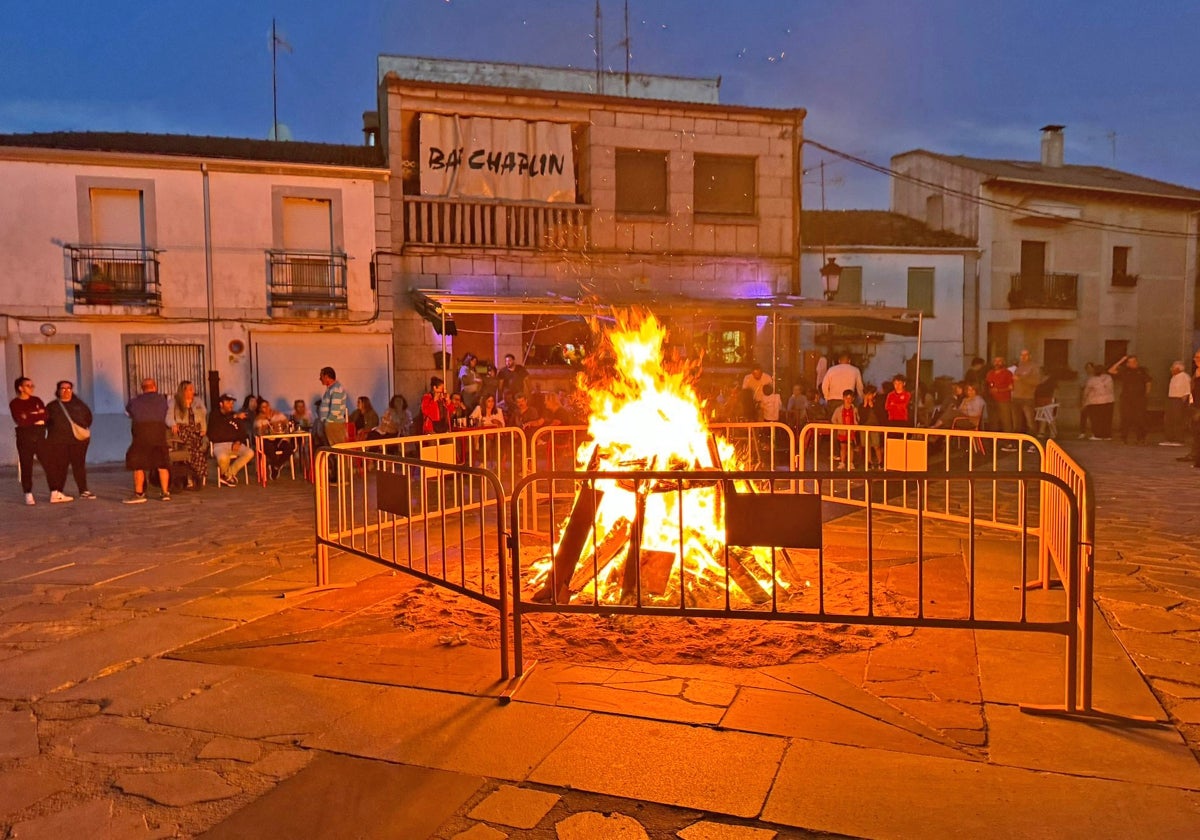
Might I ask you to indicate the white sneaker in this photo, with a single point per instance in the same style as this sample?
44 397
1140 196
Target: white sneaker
57 496
29 500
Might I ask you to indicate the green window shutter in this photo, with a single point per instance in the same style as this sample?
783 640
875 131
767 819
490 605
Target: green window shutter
850 285
920 290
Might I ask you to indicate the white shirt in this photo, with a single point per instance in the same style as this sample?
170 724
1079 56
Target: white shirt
771 404
756 385
841 378
1180 386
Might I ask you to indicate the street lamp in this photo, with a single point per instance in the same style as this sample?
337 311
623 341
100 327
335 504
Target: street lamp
831 275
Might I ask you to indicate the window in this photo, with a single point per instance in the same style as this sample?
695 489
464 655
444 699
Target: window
725 343
1121 275
307 267
1033 259
167 364
641 182
724 185
850 285
1056 356
1114 349
920 290
114 263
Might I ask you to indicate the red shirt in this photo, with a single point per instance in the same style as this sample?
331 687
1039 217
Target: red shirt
1000 383
897 405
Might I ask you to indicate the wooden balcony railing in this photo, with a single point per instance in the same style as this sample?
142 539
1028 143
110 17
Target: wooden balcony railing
1044 291
306 280
103 275
471 223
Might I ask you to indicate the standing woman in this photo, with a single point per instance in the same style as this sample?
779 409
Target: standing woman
189 425
29 413
67 418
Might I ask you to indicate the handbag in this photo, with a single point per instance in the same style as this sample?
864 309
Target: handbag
80 432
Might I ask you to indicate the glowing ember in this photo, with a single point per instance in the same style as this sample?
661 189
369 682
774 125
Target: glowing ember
646 416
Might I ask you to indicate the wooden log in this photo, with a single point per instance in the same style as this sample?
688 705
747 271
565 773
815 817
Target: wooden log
574 539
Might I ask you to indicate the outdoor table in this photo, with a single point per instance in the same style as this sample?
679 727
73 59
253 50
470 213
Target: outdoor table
304 450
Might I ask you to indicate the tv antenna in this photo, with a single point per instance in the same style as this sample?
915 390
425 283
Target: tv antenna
277 41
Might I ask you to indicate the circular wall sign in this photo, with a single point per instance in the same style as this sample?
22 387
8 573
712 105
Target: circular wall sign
236 346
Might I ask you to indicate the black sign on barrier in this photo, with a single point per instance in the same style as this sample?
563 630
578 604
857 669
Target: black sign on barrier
783 520
391 493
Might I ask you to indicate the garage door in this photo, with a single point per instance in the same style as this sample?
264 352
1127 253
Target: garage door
286 367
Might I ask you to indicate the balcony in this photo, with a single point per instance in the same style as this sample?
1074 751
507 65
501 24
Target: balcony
306 280
1125 281
113 276
1044 291
466 223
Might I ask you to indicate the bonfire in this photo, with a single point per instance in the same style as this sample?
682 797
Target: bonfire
652 542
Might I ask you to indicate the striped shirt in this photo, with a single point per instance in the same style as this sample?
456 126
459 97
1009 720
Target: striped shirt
334 404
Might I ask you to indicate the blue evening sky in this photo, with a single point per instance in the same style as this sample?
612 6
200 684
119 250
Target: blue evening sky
974 77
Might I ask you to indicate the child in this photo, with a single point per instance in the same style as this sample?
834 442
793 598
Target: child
771 404
898 401
873 415
846 414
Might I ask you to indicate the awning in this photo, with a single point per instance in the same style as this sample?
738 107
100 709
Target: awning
439 308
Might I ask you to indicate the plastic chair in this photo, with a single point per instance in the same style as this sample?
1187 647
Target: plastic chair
1046 416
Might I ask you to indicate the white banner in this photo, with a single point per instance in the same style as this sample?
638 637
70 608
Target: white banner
481 157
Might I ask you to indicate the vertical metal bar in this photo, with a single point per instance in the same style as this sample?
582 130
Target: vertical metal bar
870 551
970 548
920 551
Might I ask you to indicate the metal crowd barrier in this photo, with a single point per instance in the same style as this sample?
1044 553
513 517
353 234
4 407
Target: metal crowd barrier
450 508
420 512
561 551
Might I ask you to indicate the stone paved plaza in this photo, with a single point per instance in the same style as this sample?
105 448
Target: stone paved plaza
163 673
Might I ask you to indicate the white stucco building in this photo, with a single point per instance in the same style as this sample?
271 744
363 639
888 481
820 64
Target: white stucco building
124 256
1077 263
889 260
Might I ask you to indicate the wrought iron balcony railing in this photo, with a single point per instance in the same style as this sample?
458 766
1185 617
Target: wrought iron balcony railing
113 276
306 280
1044 291
1124 280
472 223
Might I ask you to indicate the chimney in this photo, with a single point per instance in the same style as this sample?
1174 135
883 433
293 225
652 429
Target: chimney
371 128
1052 145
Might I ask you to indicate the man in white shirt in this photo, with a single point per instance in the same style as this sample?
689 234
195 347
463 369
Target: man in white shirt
1179 392
754 382
840 378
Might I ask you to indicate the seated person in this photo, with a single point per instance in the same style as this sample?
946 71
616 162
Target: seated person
300 418
277 452
968 415
364 417
229 441
396 420
487 414
949 405
525 416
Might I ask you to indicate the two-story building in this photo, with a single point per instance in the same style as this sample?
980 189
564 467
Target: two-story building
241 265
1077 264
889 260
520 193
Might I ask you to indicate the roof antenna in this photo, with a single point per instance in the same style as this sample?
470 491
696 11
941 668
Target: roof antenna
1112 141
276 42
599 39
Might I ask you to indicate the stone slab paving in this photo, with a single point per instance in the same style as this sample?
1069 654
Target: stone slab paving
686 766
336 797
872 793
180 694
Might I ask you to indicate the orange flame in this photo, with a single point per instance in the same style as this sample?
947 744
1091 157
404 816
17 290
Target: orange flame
646 416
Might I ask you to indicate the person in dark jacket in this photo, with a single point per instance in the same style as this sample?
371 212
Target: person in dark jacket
229 440
29 415
67 418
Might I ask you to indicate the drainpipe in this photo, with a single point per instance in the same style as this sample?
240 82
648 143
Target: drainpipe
214 379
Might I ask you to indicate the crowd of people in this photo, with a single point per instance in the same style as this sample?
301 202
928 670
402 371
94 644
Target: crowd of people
1002 397
174 438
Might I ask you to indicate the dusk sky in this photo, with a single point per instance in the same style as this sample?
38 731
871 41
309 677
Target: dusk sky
877 76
